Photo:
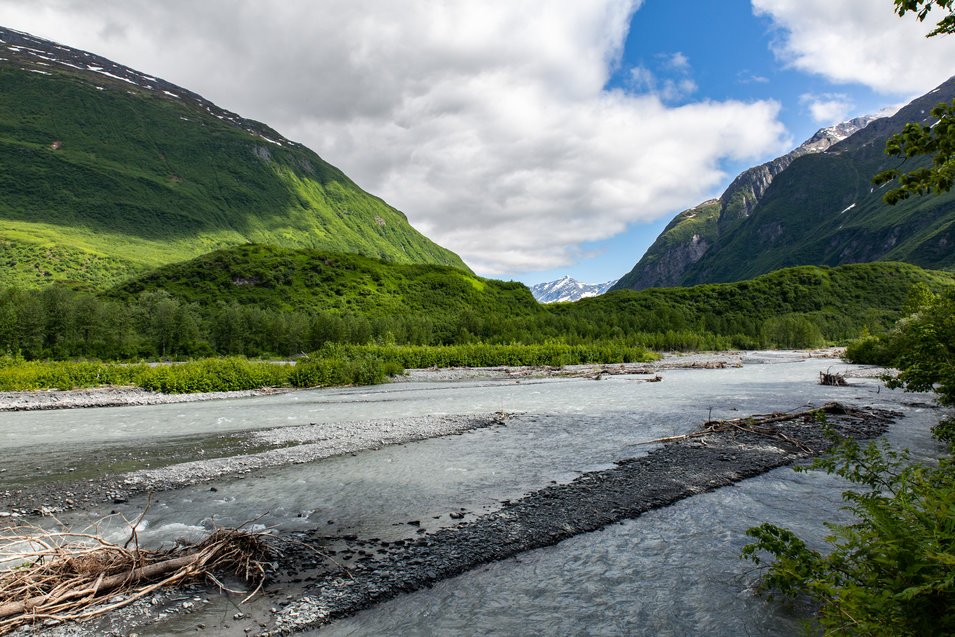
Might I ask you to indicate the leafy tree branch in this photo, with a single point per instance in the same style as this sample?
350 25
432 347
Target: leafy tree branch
916 140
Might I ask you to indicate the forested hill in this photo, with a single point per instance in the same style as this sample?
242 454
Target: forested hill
264 300
305 279
815 208
107 172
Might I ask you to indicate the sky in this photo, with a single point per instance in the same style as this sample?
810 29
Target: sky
535 138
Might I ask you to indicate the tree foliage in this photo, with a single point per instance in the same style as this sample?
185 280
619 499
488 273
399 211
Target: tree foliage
921 347
923 8
937 140
892 572
916 140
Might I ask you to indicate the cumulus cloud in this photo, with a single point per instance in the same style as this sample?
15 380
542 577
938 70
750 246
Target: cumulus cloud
860 41
488 124
827 108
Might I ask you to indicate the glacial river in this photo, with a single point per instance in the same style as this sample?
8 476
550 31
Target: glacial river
673 571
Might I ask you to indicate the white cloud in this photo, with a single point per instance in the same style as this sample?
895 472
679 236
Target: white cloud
678 62
486 123
827 108
748 77
860 41
676 88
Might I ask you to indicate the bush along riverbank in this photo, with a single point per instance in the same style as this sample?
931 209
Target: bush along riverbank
892 571
334 365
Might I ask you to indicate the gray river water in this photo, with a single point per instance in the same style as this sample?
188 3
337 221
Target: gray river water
674 571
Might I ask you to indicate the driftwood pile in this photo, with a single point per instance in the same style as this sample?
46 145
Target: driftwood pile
836 379
758 424
51 577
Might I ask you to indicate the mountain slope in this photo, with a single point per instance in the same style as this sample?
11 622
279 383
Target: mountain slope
824 210
106 172
567 289
693 232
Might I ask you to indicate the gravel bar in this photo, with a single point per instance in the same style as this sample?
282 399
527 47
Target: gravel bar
543 518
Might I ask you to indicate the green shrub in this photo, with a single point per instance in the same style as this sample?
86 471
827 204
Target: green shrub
892 572
213 374
870 350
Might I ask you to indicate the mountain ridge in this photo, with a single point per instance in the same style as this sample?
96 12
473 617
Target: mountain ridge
693 232
106 172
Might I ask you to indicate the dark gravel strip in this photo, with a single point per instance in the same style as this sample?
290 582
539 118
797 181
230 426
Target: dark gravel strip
594 500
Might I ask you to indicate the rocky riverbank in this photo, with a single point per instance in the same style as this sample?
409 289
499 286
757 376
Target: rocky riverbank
273 447
112 397
132 396
319 578
594 500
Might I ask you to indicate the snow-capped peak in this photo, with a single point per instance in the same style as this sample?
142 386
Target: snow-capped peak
567 288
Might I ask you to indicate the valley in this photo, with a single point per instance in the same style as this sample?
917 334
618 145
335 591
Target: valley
210 336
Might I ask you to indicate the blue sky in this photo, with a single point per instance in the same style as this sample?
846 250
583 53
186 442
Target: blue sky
535 138
728 54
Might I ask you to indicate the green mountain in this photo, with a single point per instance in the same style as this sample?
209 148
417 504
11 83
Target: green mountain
106 172
815 205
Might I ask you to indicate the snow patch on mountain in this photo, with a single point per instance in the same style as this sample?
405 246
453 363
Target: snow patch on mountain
568 289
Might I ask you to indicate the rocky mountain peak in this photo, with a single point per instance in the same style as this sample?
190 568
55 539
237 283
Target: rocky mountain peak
567 288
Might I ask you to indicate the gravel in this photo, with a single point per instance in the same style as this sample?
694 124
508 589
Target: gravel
291 445
111 397
320 589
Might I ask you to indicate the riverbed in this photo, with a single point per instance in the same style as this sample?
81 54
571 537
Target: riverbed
669 571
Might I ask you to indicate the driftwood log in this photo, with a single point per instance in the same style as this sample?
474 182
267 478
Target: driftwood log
756 424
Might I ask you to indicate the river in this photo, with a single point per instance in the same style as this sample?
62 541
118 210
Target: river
673 571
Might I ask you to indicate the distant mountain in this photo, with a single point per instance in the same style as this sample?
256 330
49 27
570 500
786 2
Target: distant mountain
106 172
819 208
568 289
693 232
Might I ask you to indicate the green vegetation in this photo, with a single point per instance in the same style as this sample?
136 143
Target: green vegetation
921 347
261 301
484 355
332 365
300 279
204 375
100 179
892 571
795 307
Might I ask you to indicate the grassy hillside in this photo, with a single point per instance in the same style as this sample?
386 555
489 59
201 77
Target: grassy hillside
102 178
823 210
685 239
